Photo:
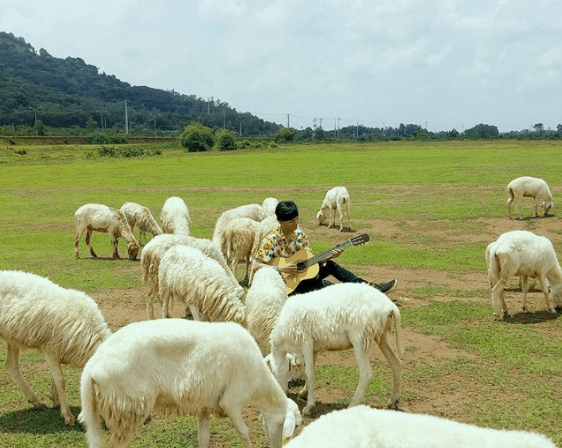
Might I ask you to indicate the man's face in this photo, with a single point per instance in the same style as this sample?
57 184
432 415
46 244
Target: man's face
289 226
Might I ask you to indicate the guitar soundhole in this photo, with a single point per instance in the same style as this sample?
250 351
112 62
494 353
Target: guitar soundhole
301 265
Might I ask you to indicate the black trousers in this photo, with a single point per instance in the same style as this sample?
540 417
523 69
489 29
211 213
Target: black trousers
326 269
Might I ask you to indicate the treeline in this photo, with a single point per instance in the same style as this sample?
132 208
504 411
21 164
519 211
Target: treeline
68 92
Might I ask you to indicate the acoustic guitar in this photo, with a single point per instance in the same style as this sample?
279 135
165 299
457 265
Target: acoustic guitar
307 262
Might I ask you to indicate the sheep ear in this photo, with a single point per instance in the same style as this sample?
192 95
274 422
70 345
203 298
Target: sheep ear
289 426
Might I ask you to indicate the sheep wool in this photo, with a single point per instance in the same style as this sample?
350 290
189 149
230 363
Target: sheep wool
140 216
175 217
334 201
65 325
196 368
365 427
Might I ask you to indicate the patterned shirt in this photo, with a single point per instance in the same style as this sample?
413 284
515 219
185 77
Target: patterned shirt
275 245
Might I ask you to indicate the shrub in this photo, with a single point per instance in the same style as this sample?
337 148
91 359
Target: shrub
197 137
285 135
225 140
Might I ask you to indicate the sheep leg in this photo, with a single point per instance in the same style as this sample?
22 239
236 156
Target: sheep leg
150 301
13 367
195 313
77 242
58 381
203 430
304 390
235 415
524 289
546 290
365 372
115 245
395 366
88 239
498 302
341 216
308 354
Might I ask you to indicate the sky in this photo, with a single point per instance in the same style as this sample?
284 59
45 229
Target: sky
440 64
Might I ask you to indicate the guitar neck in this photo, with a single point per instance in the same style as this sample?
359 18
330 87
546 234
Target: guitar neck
325 255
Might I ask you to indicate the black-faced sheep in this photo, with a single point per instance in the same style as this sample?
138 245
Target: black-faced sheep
101 218
65 325
196 368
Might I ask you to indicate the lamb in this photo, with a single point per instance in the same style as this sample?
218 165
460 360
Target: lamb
101 218
524 254
187 275
532 187
237 242
365 427
335 200
269 205
65 325
154 251
175 217
338 317
140 216
264 301
252 211
196 368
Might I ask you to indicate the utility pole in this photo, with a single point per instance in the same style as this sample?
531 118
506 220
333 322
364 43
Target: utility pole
35 110
335 134
357 131
126 119
287 120
223 118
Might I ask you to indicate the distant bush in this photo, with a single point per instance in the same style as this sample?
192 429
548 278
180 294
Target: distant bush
196 138
21 152
225 140
127 151
286 135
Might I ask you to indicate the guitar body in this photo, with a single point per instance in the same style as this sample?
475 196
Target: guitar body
292 281
307 263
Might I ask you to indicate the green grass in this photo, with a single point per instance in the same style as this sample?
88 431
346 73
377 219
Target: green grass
433 193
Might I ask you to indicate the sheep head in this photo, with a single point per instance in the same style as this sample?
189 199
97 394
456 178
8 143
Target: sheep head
133 249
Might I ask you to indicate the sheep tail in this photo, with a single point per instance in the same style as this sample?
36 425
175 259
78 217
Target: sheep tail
89 414
398 325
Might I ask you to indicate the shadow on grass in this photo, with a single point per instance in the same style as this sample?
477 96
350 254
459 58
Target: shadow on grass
33 421
531 318
111 259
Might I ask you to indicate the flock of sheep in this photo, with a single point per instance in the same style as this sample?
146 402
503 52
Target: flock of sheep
242 347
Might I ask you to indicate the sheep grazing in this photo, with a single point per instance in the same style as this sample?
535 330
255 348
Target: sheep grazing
101 218
264 301
524 254
237 242
529 187
338 317
252 211
365 427
336 199
269 205
196 368
175 217
156 248
140 216
65 325
187 275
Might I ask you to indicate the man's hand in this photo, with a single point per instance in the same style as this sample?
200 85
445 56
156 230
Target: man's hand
336 253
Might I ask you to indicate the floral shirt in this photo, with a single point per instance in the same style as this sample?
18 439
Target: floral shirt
275 245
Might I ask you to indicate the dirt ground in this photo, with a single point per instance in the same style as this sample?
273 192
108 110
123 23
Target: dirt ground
124 306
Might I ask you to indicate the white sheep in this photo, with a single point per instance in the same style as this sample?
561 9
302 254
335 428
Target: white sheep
252 211
101 218
140 216
269 205
365 427
156 248
65 325
264 301
529 187
196 368
265 227
524 254
175 217
189 276
336 200
237 242
338 317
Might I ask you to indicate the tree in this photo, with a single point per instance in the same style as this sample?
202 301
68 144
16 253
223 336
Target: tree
539 128
285 135
196 138
225 140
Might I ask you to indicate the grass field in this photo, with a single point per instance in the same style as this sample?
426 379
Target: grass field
430 209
